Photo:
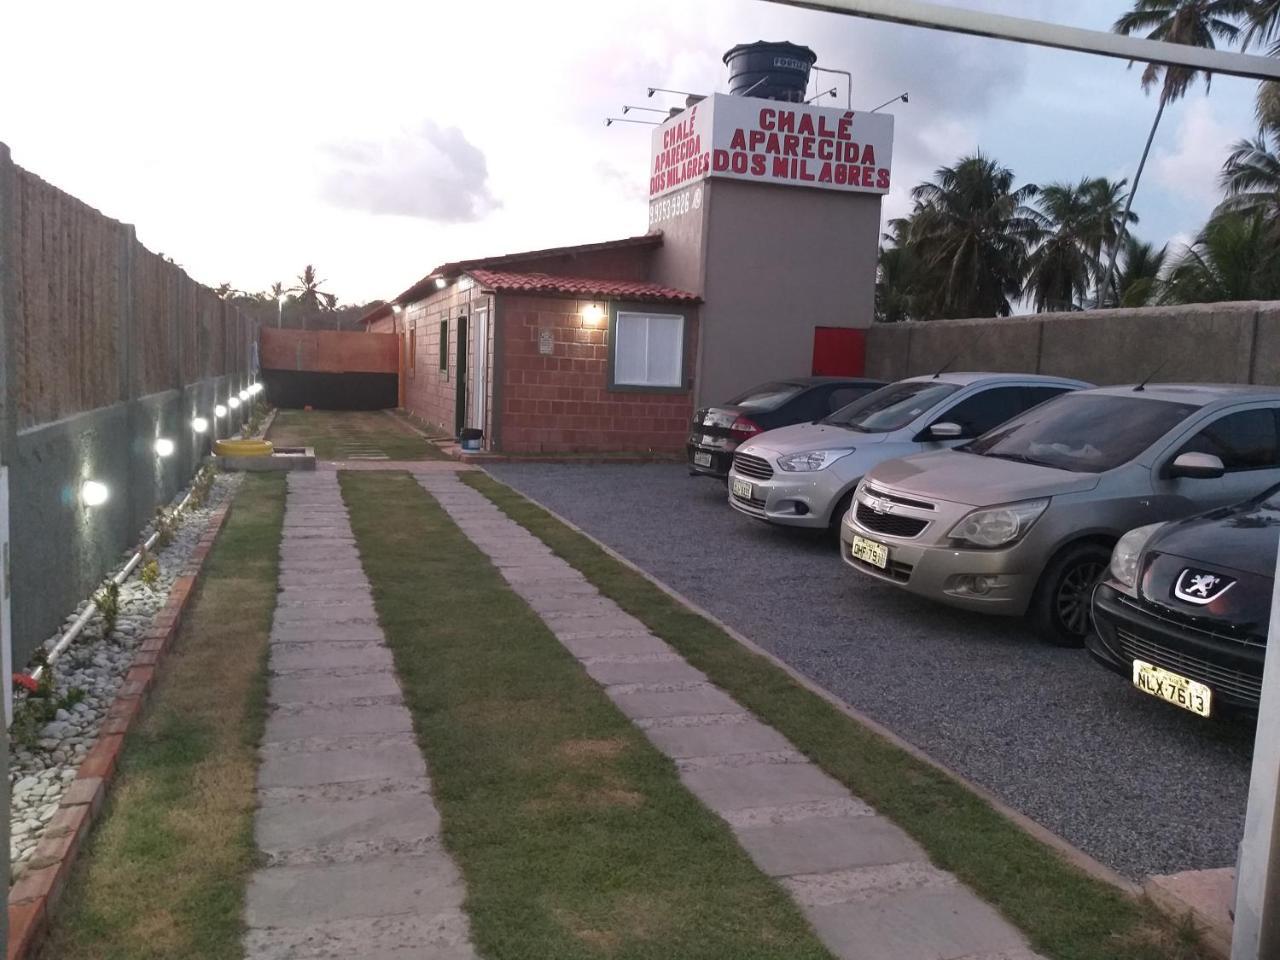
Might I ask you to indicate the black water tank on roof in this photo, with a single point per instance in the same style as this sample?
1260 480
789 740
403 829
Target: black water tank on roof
770 70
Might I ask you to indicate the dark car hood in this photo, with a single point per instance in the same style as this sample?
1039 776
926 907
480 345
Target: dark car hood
1242 537
1237 547
978 481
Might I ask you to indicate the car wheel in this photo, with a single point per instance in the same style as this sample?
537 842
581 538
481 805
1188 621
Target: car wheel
1060 608
837 514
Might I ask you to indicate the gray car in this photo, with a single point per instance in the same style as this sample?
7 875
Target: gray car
805 475
1023 519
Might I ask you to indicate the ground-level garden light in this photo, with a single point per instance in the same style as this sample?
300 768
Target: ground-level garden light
164 447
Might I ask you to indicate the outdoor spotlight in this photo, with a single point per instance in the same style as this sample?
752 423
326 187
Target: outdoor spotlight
233 402
93 493
164 446
441 283
219 411
593 314
199 424
244 394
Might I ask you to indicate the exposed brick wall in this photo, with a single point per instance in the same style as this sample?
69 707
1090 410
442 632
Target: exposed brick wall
562 403
429 392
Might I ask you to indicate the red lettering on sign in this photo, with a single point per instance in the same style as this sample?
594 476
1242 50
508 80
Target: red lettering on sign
869 155
780 167
756 138
757 165
882 179
766 118
738 141
720 161
868 177
804 171
806 147
824 175
790 145
786 122
805 127
846 126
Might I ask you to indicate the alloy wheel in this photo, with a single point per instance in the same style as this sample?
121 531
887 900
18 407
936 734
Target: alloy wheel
1074 590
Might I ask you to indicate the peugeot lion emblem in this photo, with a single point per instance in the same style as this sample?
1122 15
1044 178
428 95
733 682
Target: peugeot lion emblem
1201 587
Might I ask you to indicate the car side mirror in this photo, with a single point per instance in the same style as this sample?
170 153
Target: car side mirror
1196 466
945 431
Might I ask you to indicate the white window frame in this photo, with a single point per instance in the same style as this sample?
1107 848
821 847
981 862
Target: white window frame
616 382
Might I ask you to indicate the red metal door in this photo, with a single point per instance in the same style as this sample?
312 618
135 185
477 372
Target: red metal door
839 351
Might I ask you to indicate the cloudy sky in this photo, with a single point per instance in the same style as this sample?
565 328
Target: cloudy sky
246 139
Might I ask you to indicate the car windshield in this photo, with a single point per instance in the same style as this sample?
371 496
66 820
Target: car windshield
892 407
1083 432
767 396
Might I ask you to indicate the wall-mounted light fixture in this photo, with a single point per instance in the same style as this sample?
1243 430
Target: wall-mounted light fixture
199 424
93 493
245 393
441 283
219 411
164 447
593 314
233 402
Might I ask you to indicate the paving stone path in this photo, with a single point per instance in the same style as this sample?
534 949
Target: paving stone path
354 864
867 888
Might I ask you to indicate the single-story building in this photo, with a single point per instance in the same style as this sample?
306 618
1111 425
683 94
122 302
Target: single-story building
561 350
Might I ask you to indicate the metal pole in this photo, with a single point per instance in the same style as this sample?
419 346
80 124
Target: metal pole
1128 203
1257 926
932 16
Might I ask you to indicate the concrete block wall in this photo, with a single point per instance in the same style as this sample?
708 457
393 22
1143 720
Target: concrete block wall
561 403
106 347
1202 343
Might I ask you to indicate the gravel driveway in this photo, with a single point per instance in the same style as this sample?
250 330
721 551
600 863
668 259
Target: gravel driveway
1141 786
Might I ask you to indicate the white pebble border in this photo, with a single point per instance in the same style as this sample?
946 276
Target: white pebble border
38 776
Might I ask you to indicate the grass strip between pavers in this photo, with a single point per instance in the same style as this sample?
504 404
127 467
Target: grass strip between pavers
164 873
1064 912
331 432
574 834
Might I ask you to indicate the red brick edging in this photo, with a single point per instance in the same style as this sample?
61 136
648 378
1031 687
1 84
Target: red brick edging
33 899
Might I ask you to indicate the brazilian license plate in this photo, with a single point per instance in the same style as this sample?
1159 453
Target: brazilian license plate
743 489
868 551
1172 688
702 459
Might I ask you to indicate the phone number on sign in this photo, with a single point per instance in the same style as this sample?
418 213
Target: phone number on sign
675 205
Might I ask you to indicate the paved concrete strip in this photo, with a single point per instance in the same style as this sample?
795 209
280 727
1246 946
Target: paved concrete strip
865 886
350 837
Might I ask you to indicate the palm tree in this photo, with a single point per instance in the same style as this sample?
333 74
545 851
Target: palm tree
1196 23
899 276
308 289
1230 260
1264 27
1060 269
1109 220
1251 179
1136 280
972 229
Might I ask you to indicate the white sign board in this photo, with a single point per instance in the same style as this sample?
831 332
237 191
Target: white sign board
770 141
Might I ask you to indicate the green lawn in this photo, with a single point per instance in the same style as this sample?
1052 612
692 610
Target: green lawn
336 433
574 834
164 873
1065 913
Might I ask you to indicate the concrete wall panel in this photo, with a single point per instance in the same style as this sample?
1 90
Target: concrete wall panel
1199 343
1266 348
887 347
1004 346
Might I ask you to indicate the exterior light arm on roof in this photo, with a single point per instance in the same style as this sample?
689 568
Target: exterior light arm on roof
901 96
848 82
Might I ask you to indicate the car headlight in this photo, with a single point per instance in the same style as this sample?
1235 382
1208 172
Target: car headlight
810 461
998 526
1127 553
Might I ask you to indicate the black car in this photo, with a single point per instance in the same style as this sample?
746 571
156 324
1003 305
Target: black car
1185 608
716 431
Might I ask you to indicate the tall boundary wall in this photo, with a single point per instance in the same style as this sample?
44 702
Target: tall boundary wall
1200 343
106 347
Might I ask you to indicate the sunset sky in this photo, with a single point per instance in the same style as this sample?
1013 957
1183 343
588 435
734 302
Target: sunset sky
377 140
